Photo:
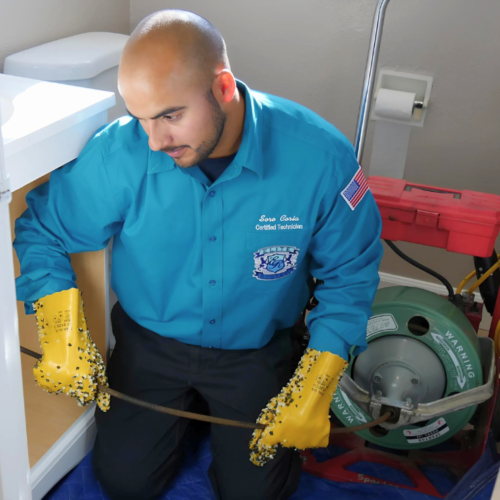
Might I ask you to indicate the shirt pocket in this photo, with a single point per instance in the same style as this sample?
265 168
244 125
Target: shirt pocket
272 259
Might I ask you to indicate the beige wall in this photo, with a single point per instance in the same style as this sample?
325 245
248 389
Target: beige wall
314 53
26 23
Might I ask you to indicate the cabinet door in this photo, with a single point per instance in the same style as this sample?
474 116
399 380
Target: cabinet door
59 432
14 465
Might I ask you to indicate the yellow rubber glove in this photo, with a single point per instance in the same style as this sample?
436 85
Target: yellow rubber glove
71 363
299 416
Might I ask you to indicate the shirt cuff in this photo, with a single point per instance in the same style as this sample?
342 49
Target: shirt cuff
28 308
323 339
31 291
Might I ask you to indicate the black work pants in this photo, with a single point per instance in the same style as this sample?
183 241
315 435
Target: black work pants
138 451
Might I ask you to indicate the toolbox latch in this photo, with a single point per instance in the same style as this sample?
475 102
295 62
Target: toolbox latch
429 219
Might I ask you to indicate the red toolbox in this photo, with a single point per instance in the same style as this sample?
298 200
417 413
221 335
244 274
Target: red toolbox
466 222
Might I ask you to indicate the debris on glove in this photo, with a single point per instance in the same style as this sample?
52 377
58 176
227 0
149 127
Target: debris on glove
301 410
71 363
262 453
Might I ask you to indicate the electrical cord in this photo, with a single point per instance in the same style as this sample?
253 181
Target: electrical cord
405 257
208 418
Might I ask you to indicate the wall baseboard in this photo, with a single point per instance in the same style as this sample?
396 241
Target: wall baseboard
387 279
66 453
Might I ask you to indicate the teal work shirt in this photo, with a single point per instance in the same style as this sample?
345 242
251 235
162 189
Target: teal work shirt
221 264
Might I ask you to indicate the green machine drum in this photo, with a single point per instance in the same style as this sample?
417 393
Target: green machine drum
421 348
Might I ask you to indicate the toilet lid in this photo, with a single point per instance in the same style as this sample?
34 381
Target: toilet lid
77 57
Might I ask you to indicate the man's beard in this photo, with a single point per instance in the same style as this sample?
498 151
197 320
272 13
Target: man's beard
205 149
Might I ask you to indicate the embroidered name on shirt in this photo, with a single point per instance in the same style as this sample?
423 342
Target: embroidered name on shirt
278 227
356 189
263 218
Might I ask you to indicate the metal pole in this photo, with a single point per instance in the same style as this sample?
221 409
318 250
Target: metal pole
371 68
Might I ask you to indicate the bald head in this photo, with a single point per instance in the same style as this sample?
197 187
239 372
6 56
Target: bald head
175 79
174 44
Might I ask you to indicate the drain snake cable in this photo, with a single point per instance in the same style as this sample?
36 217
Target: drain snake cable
208 418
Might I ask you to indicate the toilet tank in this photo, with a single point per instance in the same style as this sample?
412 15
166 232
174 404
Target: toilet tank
86 60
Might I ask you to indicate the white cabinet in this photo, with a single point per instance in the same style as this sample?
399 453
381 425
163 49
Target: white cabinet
42 436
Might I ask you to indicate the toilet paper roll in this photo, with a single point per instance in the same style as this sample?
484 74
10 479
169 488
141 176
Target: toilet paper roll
393 112
394 105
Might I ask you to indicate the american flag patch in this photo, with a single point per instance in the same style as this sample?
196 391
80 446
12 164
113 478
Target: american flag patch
356 189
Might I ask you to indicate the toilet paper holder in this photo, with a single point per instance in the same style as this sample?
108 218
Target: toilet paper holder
414 83
368 83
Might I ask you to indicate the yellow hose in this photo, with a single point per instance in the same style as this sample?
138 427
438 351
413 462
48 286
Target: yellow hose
484 277
465 281
497 340
480 281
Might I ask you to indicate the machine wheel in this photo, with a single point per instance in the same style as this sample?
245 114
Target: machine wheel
421 348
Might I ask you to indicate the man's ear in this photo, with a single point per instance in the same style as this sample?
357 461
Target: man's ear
224 86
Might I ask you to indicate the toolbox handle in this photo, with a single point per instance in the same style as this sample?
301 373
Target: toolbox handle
456 194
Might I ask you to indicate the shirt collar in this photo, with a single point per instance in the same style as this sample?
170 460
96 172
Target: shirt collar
250 151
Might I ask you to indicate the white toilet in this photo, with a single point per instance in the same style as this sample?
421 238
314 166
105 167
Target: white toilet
86 60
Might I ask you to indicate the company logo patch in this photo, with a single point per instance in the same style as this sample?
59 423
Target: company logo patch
272 263
356 189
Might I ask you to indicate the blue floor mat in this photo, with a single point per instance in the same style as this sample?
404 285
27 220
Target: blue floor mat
192 483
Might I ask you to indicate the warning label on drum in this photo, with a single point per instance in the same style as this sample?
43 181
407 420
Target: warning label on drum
427 433
456 359
380 323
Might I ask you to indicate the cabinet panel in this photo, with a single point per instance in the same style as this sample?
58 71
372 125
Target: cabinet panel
49 416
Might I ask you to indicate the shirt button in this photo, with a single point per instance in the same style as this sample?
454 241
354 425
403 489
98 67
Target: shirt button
212 321
211 194
212 282
213 238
